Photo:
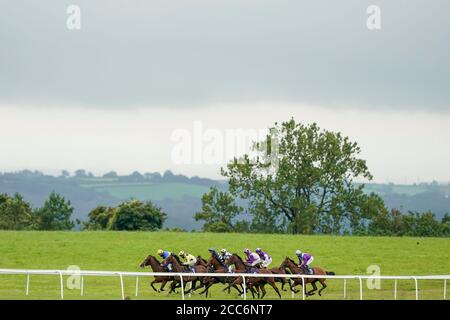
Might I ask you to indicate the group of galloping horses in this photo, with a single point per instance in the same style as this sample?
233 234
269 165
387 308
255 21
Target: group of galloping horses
253 284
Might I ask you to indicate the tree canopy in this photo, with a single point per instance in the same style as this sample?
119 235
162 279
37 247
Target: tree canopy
129 215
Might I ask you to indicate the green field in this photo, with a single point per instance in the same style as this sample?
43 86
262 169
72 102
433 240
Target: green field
124 251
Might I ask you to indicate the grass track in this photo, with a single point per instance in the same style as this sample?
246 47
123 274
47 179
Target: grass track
123 251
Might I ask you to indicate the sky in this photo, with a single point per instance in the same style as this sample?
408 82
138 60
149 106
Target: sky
118 92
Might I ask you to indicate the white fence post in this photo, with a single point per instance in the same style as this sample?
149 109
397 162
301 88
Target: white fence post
360 288
345 288
137 285
82 286
417 287
61 284
28 284
395 289
121 285
244 287
303 288
182 286
445 289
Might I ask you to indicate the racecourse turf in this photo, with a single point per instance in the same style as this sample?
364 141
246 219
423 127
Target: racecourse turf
124 251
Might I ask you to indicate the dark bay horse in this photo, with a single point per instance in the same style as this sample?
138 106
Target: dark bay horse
201 262
283 281
295 269
259 282
156 267
179 267
214 266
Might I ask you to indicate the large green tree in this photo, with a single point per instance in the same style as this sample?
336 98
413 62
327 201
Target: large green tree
137 215
100 218
219 211
15 213
56 214
309 185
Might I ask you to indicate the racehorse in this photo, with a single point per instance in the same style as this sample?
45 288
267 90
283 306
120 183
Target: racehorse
156 267
214 266
241 267
178 267
283 281
292 266
201 262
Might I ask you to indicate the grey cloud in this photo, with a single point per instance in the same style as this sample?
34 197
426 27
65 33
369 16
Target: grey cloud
189 53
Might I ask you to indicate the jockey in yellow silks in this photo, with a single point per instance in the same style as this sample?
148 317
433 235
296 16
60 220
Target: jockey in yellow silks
188 260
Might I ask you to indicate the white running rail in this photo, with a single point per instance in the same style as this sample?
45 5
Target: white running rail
121 274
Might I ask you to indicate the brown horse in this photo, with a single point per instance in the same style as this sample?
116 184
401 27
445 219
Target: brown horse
179 267
201 262
295 269
156 267
241 267
214 266
283 281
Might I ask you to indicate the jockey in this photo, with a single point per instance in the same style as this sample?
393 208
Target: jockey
217 256
304 260
165 254
266 259
253 259
188 260
226 255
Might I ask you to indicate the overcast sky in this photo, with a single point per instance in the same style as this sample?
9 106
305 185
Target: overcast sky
111 95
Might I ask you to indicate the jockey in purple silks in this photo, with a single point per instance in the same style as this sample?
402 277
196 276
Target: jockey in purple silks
265 258
304 260
253 259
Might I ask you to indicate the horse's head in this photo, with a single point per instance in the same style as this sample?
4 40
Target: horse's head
286 263
201 261
233 259
146 262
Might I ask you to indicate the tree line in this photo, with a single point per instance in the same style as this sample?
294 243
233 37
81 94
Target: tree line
17 214
56 214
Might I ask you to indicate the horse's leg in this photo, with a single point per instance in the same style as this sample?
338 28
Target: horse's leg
207 286
188 291
274 286
237 289
263 290
322 282
252 290
311 292
283 282
173 286
235 282
290 283
296 283
152 284
163 283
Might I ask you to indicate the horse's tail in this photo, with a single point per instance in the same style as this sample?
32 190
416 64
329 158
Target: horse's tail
330 273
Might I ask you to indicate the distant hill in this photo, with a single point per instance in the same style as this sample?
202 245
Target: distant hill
179 195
